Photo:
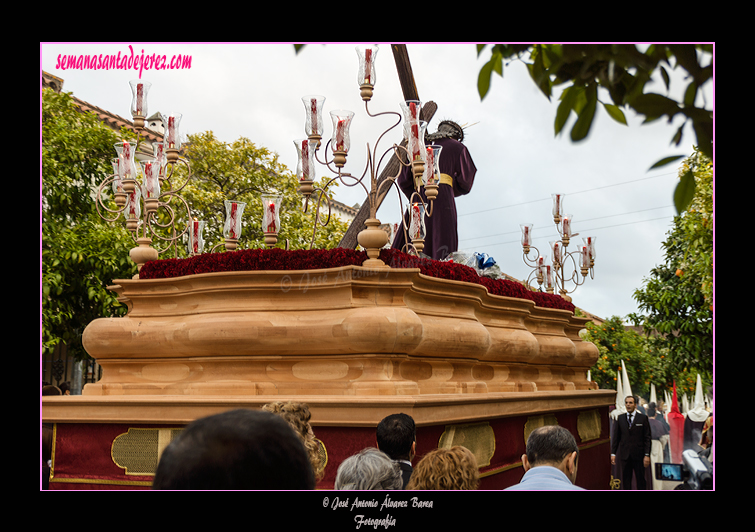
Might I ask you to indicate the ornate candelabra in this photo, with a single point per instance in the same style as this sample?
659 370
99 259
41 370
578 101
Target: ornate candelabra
143 191
148 201
551 277
144 195
422 159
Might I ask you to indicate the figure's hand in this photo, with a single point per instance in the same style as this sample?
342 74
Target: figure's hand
613 460
646 461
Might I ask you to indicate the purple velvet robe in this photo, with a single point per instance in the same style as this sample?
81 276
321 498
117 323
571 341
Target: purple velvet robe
441 237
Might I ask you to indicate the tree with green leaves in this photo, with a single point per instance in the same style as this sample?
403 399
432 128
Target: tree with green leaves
623 73
646 358
677 297
243 171
616 344
81 255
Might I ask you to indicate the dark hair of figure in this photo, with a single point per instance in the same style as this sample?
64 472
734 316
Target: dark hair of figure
236 450
395 435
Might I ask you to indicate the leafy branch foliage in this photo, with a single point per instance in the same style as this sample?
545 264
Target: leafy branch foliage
645 365
678 295
80 254
647 360
624 72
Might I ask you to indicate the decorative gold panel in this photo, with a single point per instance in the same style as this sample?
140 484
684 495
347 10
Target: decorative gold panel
535 422
322 453
138 451
477 437
589 425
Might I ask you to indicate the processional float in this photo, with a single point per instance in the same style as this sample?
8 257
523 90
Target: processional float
356 341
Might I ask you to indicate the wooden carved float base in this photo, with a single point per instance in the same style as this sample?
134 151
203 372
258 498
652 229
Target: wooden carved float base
340 331
357 375
354 344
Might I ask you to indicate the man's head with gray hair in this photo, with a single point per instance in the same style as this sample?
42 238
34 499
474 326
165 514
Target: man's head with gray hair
369 469
555 446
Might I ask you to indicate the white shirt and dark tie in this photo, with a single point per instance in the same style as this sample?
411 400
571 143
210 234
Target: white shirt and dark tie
630 420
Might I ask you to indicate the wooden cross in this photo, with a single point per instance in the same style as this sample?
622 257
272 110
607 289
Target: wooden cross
408 87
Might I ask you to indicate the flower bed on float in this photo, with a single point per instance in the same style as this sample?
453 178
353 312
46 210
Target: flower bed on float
315 259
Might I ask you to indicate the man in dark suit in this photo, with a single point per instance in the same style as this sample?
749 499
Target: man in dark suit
396 437
631 438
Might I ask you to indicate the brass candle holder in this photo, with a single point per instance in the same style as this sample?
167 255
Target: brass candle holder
556 276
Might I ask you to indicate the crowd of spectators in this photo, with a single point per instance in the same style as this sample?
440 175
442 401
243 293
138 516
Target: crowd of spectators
275 448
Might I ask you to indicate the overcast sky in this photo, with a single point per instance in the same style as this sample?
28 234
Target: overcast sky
255 90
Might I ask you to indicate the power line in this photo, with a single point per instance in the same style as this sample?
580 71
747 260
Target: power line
582 221
517 241
570 194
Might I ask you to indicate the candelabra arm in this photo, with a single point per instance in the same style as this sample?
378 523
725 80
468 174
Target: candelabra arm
384 133
526 250
120 199
429 210
320 195
169 176
389 182
537 277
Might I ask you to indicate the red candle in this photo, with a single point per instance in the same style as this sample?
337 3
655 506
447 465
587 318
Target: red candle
127 159
341 136
271 228
416 222
415 130
557 199
195 237
133 202
525 235
149 184
305 160
413 108
171 129
590 247
139 98
233 220
368 66
313 110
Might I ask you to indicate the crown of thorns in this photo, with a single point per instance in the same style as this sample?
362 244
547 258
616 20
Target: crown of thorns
448 129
